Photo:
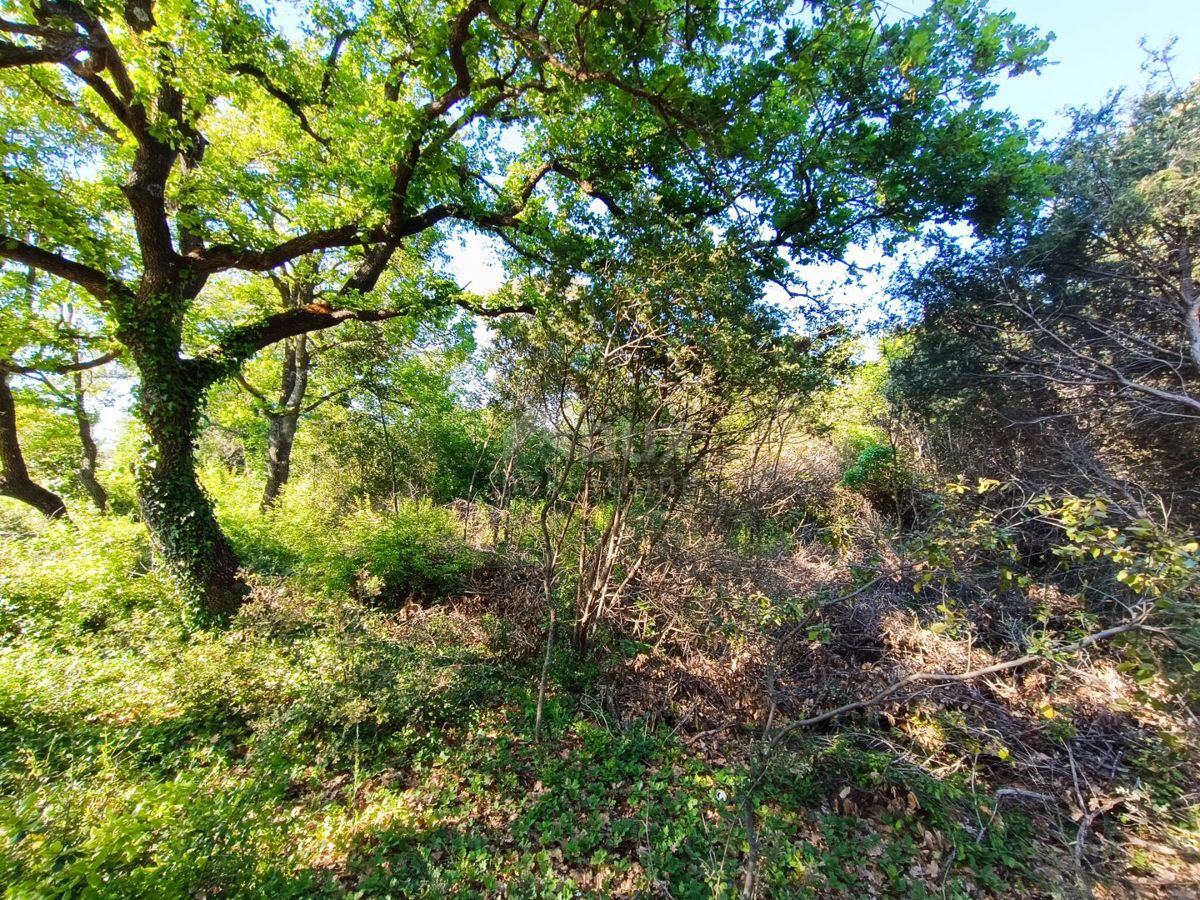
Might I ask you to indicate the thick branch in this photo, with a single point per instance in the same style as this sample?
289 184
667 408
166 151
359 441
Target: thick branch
458 59
14 55
102 56
91 280
61 368
243 342
220 257
1114 374
15 480
224 256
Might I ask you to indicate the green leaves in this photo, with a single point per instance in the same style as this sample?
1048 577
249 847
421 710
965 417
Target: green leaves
336 115
204 144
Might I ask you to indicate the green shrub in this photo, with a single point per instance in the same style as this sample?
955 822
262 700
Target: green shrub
415 550
68 578
339 544
880 476
873 469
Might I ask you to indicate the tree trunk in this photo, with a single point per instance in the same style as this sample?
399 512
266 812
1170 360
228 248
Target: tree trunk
14 477
175 508
281 435
1191 303
283 420
87 465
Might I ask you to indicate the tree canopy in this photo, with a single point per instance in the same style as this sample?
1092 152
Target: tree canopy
1083 324
158 154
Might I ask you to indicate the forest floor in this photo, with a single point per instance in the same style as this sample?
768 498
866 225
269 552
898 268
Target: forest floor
322 747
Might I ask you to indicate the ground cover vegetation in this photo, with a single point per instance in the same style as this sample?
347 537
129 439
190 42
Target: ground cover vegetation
652 586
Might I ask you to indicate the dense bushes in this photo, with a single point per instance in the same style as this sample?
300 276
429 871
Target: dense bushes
326 742
61 579
341 545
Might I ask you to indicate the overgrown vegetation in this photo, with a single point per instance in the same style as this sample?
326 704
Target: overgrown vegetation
645 587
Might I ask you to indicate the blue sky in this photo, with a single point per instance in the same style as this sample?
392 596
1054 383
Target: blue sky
1096 50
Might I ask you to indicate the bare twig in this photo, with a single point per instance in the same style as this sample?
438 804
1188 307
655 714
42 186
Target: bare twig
750 876
541 701
941 678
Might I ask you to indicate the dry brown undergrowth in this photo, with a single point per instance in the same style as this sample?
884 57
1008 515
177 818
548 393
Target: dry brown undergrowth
1062 744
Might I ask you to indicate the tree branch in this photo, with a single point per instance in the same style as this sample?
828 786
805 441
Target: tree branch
225 256
331 61
15 55
91 280
251 389
68 103
325 399
540 50
491 312
588 188
220 257
60 368
942 678
293 105
458 59
243 342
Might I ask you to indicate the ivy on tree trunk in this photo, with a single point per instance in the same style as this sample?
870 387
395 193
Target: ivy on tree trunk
177 511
